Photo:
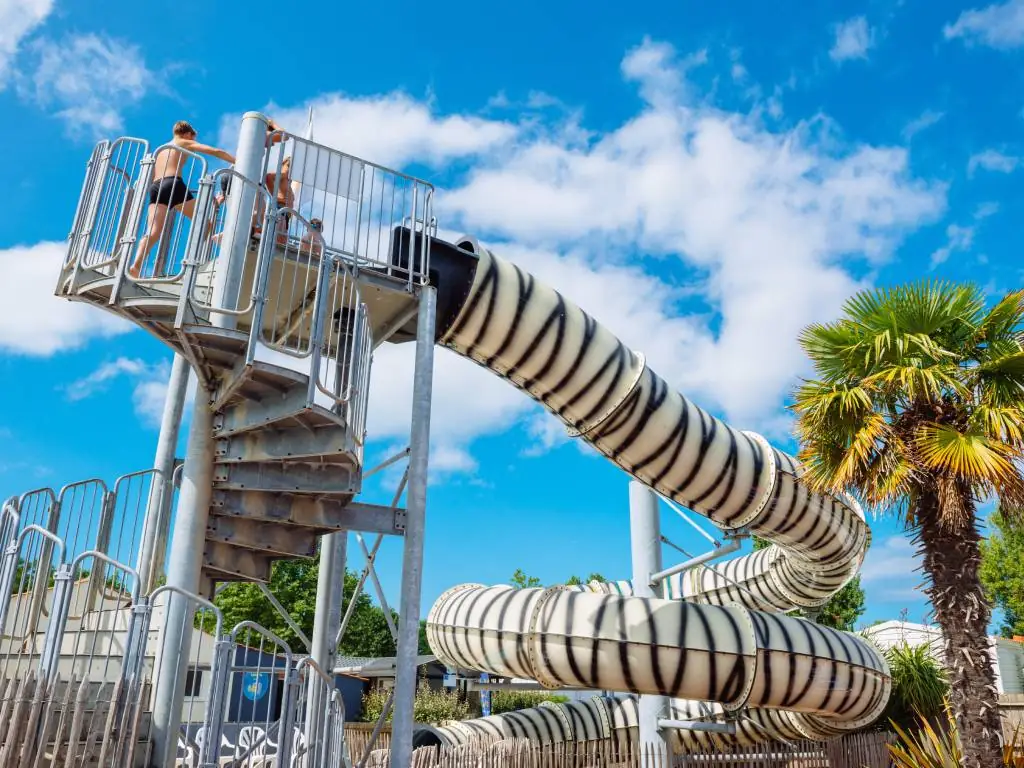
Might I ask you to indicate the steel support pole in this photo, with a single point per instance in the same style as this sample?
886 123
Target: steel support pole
183 571
412 561
161 490
330 588
645 543
185 561
241 201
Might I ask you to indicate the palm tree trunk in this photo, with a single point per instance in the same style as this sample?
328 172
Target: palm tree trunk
952 558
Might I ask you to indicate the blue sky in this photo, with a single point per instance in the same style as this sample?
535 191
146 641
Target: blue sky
706 179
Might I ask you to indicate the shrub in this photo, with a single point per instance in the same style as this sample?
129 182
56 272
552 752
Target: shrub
511 701
429 706
931 747
919 684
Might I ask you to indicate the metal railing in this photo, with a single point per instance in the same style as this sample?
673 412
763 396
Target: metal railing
80 650
358 206
109 205
204 260
319 220
319 717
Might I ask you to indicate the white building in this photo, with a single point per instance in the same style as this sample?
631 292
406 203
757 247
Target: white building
1007 655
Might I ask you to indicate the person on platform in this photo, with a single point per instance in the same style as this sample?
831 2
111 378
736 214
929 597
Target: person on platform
168 191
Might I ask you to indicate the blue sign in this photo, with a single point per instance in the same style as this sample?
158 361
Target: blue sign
255 685
485 697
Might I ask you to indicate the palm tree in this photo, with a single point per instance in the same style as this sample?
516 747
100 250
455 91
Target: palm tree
917 406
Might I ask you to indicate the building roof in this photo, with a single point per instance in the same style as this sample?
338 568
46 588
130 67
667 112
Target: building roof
370 666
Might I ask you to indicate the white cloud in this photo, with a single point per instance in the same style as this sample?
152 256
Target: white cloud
984 210
892 570
765 224
392 129
547 433
88 80
149 385
925 120
1000 25
958 239
18 18
33 320
853 38
992 160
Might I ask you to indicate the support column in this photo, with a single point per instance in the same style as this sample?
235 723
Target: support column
252 142
188 544
183 571
330 587
412 561
645 542
161 491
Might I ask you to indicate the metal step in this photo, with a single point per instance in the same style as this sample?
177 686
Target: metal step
257 381
272 538
293 477
223 562
334 445
316 512
291 409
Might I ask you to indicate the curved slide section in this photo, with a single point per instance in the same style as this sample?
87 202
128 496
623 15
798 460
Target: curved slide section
720 646
828 682
529 334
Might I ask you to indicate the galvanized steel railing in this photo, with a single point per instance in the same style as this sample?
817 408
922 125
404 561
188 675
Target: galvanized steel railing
357 204
299 292
79 658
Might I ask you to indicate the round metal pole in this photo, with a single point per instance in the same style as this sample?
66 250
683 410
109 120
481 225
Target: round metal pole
645 542
185 561
183 571
241 201
161 490
326 623
412 561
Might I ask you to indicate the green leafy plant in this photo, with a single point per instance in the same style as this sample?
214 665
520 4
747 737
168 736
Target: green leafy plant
919 684
429 706
511 701
929 747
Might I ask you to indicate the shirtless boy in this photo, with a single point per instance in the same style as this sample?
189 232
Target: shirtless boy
168 190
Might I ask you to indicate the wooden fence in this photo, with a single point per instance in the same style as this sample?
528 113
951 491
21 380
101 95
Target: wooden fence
1011 707
862 750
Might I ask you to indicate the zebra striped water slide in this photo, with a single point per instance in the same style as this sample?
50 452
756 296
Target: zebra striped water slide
718 644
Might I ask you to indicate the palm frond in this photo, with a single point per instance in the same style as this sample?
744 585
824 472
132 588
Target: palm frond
1001 423
970 456
1003 321
916 382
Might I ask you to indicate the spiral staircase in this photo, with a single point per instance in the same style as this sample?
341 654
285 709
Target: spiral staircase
285 360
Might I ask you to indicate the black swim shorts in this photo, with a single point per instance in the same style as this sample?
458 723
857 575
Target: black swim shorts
170 191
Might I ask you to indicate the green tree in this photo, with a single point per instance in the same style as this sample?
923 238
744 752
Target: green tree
520 580
1002 570
293 583
576 580
916 407
843 608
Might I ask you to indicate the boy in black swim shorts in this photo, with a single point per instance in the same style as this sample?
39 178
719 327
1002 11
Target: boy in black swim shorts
168 192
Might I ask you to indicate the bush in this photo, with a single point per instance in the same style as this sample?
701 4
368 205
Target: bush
511 701
931 747
919 684
430 706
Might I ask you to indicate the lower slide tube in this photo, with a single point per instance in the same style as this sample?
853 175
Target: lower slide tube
788 675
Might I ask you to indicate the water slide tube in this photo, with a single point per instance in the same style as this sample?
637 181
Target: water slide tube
721 646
